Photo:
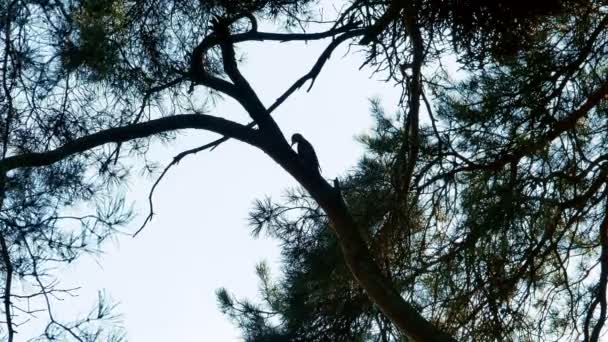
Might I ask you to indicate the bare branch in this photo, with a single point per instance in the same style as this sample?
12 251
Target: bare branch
174 162
253 35
242 90
130 132
311 75
316 69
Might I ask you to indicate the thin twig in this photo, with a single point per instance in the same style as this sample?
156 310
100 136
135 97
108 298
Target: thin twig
175 161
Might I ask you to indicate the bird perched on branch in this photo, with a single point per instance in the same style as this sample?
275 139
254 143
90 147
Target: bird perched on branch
306 152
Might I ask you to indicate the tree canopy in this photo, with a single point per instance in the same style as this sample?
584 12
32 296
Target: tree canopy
479 212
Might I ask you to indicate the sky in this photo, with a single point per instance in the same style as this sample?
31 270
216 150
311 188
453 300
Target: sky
165 279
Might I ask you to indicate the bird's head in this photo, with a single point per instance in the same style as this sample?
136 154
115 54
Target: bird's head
296 138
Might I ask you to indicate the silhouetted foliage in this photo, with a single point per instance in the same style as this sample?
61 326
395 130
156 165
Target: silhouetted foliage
479 212
70 69
503 233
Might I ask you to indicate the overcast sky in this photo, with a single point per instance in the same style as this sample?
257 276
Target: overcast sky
165 279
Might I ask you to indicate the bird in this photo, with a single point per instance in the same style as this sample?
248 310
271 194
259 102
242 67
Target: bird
306 152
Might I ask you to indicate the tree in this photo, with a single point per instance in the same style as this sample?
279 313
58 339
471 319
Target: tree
87 84
316 299
503 234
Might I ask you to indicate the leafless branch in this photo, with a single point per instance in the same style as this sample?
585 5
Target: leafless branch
174 162
130 132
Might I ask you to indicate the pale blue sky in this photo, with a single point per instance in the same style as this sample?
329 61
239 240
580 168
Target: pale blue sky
165 279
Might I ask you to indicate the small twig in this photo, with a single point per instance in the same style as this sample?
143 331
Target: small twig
113 157
316 69
45 293
174 162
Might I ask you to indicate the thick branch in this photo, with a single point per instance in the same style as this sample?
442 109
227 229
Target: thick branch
130 132
415 90
6 260
244 92
600 296
356 253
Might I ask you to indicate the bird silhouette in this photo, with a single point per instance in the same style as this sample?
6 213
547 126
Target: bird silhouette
306 152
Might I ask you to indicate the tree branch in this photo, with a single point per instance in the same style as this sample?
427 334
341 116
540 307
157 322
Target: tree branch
535 145
311 75
407 156
243 92
316 69
6 259
174 162
600 296
130 132
380 25
253 35
415 91
355 252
